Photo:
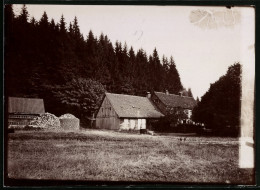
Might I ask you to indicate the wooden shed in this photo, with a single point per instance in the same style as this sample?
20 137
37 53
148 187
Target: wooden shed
21 111
119 111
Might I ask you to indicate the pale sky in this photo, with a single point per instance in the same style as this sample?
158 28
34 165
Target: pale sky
202 54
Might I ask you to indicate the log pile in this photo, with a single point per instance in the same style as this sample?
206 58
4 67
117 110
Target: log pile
46 120
51 122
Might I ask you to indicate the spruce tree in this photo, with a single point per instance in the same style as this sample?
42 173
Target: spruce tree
173 79
190 93
24 15
62 25
76 30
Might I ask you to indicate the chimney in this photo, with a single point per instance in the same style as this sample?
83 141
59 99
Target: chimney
148 95
166 92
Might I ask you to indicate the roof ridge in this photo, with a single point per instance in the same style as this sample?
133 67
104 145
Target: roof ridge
126 95
25 98
175 95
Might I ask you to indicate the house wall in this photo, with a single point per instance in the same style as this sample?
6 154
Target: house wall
106 117
133 124
108 123
188 112
121 123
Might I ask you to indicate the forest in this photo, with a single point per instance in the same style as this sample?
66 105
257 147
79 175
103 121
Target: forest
54 61
44 59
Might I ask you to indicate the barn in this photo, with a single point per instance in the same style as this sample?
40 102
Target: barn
21 111
119 111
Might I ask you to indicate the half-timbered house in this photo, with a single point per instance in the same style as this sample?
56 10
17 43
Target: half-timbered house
119 111
170 103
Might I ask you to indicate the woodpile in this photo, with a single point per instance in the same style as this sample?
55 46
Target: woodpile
51 122
46 121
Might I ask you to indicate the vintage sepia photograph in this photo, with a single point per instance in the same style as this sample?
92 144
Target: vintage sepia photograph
127 93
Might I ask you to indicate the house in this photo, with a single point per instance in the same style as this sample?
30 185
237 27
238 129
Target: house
119 111
169 103
21 111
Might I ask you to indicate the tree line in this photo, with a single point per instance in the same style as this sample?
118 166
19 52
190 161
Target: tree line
49 60
220 107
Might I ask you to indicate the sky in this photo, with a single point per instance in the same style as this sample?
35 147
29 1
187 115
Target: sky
204 41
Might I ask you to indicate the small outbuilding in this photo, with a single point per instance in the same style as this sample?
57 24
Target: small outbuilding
21 111
120 111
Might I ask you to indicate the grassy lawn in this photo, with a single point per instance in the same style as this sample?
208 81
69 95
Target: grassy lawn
114 156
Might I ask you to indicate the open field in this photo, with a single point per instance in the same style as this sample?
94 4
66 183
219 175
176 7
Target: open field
114 156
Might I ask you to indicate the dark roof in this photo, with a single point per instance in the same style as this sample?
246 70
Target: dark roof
173 100
25 105
128 106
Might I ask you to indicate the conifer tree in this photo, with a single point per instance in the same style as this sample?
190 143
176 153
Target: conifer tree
75 28
71 30
157 71
62 25
33 21
9 20
173 79
190 93
23 17
44 21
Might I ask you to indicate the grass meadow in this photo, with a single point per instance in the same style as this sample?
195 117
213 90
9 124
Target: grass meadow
113 156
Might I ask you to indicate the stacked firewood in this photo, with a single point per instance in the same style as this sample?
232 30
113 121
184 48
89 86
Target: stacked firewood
46 120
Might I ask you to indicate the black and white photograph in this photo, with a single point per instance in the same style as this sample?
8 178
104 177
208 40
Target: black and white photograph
129 93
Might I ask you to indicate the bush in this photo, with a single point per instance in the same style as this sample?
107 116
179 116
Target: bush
169 122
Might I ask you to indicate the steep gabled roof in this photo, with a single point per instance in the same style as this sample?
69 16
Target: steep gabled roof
128 106
25 105
173 100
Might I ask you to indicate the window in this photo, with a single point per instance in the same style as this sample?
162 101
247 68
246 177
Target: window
143 125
